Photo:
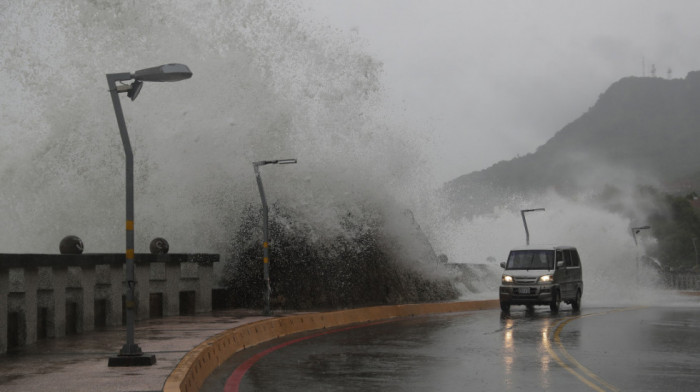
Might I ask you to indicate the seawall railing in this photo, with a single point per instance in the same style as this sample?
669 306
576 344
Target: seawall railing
682 280
49 295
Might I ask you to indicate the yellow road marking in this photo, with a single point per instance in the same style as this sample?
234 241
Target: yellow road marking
576 363
568 368
577 368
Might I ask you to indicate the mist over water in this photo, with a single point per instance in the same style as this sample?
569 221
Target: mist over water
268 83
607 249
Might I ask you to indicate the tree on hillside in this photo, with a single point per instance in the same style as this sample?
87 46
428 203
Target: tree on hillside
674 225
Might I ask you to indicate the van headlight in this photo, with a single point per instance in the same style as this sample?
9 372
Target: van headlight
545 279
507 279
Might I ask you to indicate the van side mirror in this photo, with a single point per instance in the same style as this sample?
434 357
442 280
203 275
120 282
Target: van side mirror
503 265
560 263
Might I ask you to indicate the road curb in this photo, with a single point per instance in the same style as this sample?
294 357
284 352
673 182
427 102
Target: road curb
194 368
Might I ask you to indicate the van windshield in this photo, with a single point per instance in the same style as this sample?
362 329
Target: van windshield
531 260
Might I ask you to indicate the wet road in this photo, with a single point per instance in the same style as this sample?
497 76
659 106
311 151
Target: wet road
599 349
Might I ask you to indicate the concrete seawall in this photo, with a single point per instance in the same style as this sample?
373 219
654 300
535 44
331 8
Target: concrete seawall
199 363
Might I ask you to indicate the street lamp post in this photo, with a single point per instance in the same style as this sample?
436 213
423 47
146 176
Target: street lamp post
527 232
635 231
266 234
131 354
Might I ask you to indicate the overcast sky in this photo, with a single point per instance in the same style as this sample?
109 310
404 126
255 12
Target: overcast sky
490 80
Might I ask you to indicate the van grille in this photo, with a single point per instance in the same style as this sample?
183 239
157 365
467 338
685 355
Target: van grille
524 280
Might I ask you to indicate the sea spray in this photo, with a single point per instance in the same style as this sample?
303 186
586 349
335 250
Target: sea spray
267 84
608 252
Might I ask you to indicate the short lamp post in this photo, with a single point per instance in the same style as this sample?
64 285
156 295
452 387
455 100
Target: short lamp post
635 231
527 232
266 234
130 354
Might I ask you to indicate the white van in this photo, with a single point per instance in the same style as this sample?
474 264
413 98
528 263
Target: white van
542 275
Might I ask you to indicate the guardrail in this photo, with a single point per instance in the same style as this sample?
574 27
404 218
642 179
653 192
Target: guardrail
682 281
198 364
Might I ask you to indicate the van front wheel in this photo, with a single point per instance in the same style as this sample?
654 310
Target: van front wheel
505 306
556 301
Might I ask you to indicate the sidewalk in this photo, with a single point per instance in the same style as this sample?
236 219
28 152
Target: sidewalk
79 362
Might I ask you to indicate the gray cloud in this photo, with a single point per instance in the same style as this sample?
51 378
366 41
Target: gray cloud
496 79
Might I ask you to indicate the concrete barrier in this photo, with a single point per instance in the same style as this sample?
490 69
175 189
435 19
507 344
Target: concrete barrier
194 368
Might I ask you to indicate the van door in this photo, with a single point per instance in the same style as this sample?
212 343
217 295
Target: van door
560 272
568 274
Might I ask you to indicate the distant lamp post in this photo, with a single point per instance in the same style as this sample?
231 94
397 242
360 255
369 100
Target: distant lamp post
266 234
130 354
695 246
527 232
635 231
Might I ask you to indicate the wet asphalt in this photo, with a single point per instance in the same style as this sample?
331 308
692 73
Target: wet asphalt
601 349
598 349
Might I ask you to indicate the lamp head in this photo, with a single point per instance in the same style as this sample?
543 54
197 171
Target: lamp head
286 161
163 73
134 90
275 162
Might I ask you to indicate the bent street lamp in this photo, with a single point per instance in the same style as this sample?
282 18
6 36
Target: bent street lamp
130 354
266 236
636 230
527 232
